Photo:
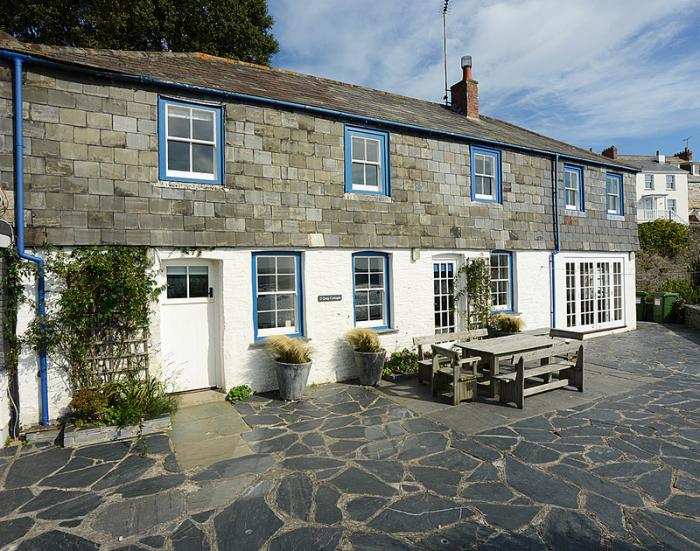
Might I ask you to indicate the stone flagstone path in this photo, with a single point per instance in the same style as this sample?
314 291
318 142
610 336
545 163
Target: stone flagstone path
350 469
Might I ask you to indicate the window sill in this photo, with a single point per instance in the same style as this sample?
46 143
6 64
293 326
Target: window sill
616 217
575 213
260 343
194 186
386 331
367 196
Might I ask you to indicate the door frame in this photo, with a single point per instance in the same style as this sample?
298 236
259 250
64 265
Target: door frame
216 283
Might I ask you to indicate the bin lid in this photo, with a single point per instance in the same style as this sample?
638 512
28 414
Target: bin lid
664 294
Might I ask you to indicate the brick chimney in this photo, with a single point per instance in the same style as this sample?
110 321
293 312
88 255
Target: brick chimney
686 154
610 152
465 93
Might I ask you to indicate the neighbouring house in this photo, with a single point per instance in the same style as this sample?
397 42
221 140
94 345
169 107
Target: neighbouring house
662 186
316 206
684 159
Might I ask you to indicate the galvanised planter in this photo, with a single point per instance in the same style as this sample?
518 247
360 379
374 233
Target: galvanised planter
291 379
370 366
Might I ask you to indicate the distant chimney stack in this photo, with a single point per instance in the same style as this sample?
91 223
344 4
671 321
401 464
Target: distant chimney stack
610 152
660 158
465 93
686 154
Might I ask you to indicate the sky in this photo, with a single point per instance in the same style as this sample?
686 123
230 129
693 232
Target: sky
593 73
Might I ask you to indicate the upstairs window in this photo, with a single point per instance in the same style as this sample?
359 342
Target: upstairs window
485 174
613 194
190 145
371 290
573 187
366 161
648 181
502 281
670 182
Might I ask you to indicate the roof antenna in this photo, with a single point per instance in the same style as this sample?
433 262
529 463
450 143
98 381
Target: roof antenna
444 45
686 140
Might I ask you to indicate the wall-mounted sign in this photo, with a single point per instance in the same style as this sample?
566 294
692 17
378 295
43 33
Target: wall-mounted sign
330 298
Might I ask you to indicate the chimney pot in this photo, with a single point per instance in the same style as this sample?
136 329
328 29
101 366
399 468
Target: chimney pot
610 152
465 94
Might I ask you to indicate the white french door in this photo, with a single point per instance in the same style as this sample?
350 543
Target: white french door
594 294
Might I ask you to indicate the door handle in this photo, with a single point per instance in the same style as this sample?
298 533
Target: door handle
211 292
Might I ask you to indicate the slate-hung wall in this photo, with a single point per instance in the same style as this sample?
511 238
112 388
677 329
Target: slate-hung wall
92 177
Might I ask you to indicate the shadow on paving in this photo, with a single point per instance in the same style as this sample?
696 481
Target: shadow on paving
350 468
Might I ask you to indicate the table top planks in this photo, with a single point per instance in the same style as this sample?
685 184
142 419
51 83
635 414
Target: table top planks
511 344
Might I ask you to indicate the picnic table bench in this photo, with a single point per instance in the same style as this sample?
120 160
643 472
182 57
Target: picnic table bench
456 378
565 360
425 366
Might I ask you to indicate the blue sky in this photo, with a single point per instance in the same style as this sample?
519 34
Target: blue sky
593 73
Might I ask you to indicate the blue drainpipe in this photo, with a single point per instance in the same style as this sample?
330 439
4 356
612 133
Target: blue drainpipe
19 223
557 238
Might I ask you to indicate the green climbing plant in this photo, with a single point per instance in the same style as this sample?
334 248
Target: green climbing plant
473 289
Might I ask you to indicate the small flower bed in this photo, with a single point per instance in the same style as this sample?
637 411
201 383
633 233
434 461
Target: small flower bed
404 362
238 393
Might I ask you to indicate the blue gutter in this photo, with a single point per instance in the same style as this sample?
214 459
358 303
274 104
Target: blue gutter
19 222
557 239
191 88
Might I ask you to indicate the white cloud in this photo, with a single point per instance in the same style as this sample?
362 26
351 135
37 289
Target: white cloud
582 71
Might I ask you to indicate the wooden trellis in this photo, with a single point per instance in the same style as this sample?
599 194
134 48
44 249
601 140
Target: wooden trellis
117 355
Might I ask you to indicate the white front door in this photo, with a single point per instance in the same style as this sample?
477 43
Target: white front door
189 325
594 294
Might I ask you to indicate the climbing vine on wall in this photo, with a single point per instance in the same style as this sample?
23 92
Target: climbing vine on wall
473 288
14 296
98 316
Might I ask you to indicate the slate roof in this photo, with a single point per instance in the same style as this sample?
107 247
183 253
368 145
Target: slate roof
648 163
228 75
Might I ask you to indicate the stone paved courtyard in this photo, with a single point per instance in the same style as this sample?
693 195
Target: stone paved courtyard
349 468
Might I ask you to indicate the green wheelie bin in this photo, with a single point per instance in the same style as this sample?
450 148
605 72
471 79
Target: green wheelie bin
662 311
641 300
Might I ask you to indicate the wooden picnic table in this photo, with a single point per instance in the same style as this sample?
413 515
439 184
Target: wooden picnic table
498 348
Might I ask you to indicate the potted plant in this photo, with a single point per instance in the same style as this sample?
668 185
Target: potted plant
506 324
292 365
369 354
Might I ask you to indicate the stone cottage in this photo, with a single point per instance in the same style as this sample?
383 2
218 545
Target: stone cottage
316 206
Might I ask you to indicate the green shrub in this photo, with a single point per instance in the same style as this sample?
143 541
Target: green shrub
88 407
238 393
685 290
363 340
507 323
288 351
401 362
664 237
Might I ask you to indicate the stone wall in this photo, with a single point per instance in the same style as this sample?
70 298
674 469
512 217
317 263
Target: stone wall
692 316
92 178
694 195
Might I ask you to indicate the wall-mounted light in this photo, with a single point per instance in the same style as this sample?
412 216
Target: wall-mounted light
415 254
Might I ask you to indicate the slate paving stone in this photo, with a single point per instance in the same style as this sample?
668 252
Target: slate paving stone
451 459
380 450
389 471
14 529
523 541
599 485
82 478
247 523
475 449
294 496
355 481
140 515
345 448
155 444
465 535
418 513
156 542
534 453
686 505
11 500
318 539
570 531
656 535
599 454
327 511
274 445
313 439
362 508
416 446
132 468
687 484
203 516
311 463
57 540
487 491
76 463
148 486
188 537
379 542
508 517
48 498
421 424
78 507
29 469
609 513
625 469
441 481
538 436
484 473
262 419
298 449
229 468
657 484
261 433
539 486
113 451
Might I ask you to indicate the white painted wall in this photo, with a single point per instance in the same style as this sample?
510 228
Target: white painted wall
680 194
4 408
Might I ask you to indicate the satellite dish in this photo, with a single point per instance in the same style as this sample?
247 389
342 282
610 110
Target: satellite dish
5 234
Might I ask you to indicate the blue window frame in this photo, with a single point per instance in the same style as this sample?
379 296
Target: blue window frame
573 188
371 291
190 142
367 161
277 294
614 194
486 174
502 281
